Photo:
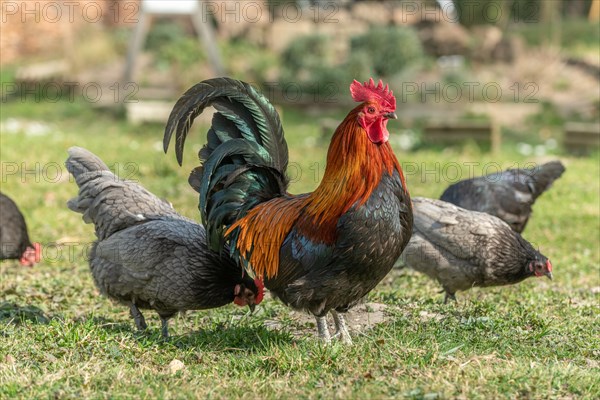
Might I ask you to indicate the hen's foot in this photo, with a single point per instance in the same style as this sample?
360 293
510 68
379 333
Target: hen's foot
137 316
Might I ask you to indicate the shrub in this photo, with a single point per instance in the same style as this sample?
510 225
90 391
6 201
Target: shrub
307 54
390 49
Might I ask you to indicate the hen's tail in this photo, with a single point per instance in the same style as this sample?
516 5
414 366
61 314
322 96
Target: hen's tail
543 176
245 159
110 203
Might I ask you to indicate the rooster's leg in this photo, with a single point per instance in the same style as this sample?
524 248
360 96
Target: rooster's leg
340 327
323 329
137 316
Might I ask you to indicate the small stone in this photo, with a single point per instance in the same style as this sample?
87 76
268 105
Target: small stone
176 366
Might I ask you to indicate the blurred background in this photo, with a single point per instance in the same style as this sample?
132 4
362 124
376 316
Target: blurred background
517 73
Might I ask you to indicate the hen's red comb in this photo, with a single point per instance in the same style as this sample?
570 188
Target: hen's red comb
261 290
368 91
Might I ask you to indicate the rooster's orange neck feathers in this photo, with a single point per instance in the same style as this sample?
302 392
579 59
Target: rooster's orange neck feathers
355 166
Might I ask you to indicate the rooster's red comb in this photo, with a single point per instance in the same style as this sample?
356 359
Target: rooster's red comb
368 92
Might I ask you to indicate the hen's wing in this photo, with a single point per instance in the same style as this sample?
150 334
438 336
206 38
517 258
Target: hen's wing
508 195
452 228
166 264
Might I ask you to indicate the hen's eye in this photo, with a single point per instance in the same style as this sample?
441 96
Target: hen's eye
371 110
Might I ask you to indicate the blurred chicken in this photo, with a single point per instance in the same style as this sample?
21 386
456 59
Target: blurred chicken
14 239
147 255
461 248
508 195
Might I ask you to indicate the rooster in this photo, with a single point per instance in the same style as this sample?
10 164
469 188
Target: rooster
147 255
508 195
462 249
14 239
322 251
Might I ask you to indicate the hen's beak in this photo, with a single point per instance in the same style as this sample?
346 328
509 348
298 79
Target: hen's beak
391 115
549 275
252 307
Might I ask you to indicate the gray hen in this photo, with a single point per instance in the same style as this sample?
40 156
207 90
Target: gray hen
508 195
461 248
14 238
147 255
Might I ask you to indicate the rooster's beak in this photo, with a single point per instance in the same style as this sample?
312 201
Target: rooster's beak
391 115
549 275
252 307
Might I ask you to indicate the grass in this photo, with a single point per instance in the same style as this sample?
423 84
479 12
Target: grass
60 339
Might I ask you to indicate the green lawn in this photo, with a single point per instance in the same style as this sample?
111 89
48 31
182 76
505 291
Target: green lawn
60 339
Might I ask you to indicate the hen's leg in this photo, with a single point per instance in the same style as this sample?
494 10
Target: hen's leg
323 329
165 326
340 327
449 296
137 316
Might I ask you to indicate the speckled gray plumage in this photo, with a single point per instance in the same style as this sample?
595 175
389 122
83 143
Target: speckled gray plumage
509 195
147 255
461 248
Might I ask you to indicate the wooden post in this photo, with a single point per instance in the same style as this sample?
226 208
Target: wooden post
135 45
206 35
190 8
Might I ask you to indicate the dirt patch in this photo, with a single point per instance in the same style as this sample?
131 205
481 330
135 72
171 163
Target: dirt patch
359 319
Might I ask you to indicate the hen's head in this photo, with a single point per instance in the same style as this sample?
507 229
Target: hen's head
249 293
31 255
379 105
541 267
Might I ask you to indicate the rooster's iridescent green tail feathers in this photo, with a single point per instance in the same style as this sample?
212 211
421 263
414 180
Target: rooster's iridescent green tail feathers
245 159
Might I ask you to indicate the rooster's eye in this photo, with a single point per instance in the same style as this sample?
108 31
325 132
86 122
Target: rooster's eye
371 110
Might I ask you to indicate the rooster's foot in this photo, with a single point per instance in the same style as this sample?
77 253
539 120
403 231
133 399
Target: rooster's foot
340 327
